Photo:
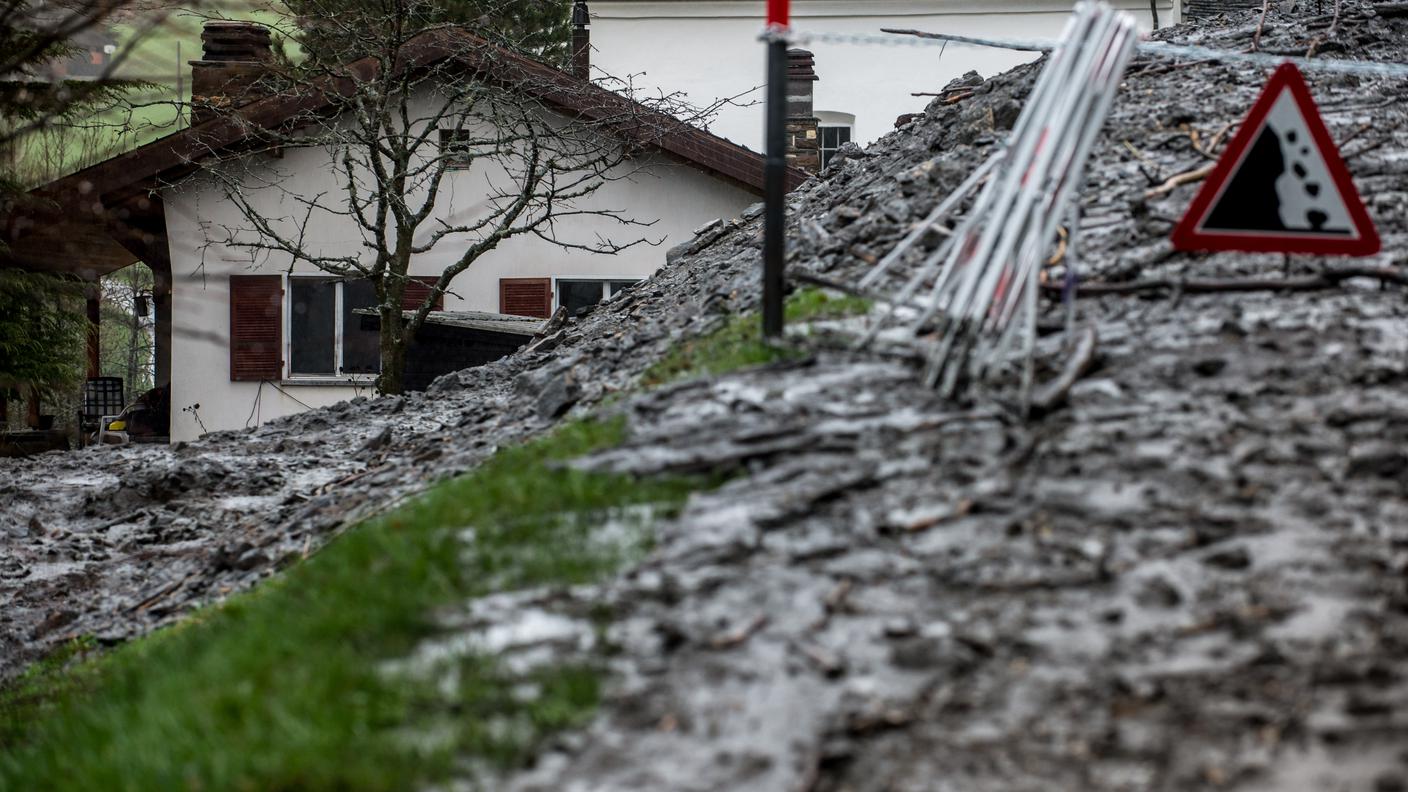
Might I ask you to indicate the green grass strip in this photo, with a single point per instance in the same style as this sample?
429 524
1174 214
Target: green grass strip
739 343
286 688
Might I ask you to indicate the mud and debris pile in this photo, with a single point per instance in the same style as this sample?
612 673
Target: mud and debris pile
1193 574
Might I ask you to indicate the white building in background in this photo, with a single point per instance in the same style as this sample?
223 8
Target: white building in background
245 339
708 49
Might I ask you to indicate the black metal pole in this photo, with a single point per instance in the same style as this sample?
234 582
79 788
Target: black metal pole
775 189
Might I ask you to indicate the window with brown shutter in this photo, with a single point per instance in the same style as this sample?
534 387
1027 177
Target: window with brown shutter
256 327
417 287
526 296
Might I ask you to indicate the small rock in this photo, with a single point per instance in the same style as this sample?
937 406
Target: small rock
558 395
1158 593
1377 458
377 442
1390 782
847 151
900 628
678 252
1209 367
844 215
1230 558
55 621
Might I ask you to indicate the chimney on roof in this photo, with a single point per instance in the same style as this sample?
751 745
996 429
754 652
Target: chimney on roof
581 41
803 147
236 55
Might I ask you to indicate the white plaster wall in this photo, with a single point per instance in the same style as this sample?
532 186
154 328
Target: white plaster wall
709 50
678 198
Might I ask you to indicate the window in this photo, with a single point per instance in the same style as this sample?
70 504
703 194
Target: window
306 327
457 146
326 338
831 139
577 296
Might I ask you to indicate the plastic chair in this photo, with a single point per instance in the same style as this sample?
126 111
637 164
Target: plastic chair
102 402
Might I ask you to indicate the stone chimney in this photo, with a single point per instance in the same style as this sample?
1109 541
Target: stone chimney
236 55
581 41
803 147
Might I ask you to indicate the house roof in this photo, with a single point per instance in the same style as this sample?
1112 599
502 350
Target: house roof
103 217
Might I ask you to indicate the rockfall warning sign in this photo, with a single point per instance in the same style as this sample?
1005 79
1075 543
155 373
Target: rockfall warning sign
1281 186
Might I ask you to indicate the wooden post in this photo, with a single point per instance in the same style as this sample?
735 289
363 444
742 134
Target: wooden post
161 303
32 418
94 302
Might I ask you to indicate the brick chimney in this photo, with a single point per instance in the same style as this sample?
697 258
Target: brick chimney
803 147
581 41
236 55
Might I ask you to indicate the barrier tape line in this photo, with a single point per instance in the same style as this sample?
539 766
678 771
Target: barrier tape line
1157 49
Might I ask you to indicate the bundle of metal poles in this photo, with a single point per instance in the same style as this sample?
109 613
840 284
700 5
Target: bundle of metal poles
984 278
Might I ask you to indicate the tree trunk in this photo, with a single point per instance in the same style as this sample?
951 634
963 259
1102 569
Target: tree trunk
392 380
394 335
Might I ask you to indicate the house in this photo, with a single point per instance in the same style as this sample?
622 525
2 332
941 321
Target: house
243 339
709 50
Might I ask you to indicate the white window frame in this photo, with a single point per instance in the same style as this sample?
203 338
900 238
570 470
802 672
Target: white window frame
604 281
338 377
829 119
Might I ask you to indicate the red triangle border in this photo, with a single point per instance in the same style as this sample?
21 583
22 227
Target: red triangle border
1187 236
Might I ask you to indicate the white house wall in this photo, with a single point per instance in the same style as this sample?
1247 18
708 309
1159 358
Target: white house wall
709 50
677 197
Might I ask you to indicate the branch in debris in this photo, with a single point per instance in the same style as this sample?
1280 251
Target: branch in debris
1174 182
1082 360
1261 25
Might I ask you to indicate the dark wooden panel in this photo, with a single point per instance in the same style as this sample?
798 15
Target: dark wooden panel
256 327
526 296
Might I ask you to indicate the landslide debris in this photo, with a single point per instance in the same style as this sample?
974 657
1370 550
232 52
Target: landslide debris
1194 574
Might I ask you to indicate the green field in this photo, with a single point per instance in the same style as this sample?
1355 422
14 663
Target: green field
155 48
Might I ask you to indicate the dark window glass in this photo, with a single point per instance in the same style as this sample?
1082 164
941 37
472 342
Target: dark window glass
312 325
359 347
457 148
831 139
578 296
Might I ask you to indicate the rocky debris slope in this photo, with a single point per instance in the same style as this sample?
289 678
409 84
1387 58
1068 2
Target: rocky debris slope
1194 575
112 542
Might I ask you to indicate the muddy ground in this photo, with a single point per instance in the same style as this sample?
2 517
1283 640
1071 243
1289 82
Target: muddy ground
1194 574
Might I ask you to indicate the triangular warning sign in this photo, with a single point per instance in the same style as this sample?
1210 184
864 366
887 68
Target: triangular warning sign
1281 187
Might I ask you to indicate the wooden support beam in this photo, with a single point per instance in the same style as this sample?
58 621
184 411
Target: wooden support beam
161 299
32 416
94 303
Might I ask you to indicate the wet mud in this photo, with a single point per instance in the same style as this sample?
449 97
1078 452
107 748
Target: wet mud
1190 573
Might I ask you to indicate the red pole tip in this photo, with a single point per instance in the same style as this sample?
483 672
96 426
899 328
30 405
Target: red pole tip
777 13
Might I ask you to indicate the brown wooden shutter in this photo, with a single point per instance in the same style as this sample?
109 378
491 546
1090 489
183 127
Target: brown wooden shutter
526 296
417 287
256 327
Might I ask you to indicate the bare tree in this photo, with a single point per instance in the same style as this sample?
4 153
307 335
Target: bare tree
393 127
